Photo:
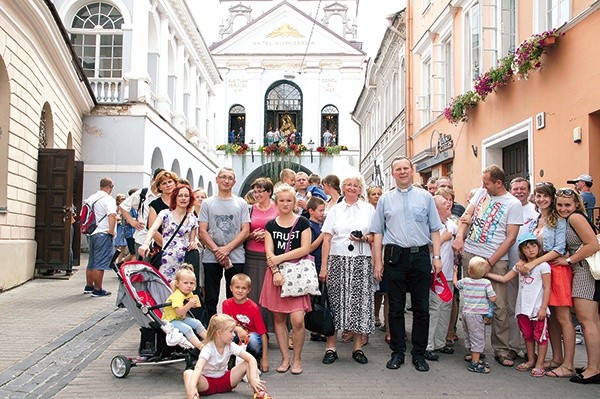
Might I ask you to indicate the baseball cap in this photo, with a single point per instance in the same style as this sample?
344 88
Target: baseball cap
584 177
526 237
439 285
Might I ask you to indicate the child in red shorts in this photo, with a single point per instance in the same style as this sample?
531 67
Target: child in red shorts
532 303
210 376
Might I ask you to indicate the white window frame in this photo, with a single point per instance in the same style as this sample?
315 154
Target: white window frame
98 33
442 72
469 73
551 14
424 101
508 27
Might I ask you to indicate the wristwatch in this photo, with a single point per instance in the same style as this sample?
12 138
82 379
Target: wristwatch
569 260
437 257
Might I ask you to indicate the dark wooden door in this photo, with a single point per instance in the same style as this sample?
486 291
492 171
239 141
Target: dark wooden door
77 201
515 161
53 208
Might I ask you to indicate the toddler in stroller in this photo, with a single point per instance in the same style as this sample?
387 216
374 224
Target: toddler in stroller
182 300
144 292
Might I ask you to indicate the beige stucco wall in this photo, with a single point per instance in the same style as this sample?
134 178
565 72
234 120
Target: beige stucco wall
40 71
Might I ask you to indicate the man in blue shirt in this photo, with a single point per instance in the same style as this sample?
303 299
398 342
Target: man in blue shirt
583 184
405 224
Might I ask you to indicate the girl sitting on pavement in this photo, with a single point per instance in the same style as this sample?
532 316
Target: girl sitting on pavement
210 376
532 303
182 300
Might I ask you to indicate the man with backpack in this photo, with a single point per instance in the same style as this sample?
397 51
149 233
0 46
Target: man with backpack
101 211
140 201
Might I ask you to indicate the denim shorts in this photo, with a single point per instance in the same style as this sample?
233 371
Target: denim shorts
101 251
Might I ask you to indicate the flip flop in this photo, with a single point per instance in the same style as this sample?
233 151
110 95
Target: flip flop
282 369
524 367
535 372
297 371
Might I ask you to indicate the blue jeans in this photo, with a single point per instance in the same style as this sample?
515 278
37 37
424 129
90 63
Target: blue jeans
254 344
187 326
411 272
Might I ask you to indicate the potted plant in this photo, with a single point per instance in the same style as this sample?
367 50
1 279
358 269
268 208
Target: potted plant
528 54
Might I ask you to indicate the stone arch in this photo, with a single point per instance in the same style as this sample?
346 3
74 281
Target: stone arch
209 189
190 177
68 9
46 127
272 170
176 168
4 133
201 182
157 159
70 141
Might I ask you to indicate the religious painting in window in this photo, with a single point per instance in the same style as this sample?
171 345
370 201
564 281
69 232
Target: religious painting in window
283 114
237 125
329 125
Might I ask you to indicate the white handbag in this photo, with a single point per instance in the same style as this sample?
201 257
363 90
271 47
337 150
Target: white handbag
594 262
300 276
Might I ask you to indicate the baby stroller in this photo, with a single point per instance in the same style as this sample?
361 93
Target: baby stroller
143 291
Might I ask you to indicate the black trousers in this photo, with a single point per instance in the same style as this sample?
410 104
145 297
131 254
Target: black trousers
408 272
213 274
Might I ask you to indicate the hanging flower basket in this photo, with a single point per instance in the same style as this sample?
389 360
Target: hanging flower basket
520 64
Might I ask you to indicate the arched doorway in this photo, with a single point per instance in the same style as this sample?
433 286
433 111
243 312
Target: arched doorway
283 110
271 170
329 125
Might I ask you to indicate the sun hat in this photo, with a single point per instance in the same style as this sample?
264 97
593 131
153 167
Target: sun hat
583 177
526 237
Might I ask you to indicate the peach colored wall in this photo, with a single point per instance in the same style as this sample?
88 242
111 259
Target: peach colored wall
567 89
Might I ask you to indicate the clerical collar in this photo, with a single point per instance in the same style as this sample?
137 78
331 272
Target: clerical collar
405 190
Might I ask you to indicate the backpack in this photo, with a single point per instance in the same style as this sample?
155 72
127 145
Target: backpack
142 199
87 218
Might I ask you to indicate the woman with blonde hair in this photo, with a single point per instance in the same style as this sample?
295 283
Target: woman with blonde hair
287 238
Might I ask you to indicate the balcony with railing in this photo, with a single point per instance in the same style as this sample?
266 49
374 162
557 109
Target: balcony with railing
108 90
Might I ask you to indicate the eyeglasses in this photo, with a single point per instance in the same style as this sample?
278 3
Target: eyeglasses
565 191
112 186
544 183
259 191
229 178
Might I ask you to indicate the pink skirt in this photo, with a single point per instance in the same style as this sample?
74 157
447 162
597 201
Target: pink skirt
270 298
561 280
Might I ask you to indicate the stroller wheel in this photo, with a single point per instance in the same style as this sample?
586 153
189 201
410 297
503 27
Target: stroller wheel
120 366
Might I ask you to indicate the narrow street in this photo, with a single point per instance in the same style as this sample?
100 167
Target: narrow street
68 354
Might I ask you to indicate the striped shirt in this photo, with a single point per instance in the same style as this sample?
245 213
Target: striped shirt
475 294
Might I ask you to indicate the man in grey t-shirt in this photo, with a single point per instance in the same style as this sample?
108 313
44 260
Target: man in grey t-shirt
223 228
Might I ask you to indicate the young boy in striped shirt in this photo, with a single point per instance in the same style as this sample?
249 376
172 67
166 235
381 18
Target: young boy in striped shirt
477 291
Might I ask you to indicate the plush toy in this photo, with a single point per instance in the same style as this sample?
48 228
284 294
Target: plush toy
262 395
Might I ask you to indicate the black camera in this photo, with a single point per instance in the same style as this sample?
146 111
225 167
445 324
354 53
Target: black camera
357 233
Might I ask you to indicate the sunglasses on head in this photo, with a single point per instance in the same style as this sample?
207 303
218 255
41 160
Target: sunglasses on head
565 191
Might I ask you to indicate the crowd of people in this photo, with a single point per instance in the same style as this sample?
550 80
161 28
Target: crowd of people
370 247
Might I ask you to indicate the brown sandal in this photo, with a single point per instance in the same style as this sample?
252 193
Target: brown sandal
565 372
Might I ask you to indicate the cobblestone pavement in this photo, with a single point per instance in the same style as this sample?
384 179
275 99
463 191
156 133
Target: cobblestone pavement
57 342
